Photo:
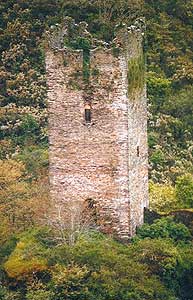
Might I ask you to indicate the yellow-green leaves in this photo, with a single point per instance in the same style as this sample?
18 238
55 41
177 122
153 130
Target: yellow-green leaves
136 74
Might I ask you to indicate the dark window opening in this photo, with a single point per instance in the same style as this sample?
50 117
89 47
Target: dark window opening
90 212
137 151
87 113
90 203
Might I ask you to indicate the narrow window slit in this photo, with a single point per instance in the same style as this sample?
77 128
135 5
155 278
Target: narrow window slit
137 151
87 113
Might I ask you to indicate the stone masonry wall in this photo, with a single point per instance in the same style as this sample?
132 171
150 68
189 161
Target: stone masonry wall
137 140
105 160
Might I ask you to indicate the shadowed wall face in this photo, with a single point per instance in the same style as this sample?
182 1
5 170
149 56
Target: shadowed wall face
98 134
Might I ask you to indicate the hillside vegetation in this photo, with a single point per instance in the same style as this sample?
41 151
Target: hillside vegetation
34 264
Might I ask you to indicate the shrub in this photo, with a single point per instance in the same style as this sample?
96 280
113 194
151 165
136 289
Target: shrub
5 294
10 171
98 267
7 245
24 200
15 211
184 190
158 89
27 258
158 158
165 228
2 292
163 197
36 290
185 272
173 265
35 159
29 130
70 282
161 258
39 295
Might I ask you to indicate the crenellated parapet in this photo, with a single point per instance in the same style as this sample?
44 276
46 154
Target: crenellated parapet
68 34
71 39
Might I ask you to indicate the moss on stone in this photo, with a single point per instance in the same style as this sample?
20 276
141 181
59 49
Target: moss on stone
81 43
73 84
65 63
136 74
116 50
95 72
86 65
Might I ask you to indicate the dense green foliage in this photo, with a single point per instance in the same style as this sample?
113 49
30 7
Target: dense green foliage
165 228
169 79
158 264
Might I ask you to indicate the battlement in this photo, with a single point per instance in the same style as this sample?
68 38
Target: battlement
76 36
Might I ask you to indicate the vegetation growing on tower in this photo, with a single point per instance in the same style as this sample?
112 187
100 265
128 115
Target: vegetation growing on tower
158 264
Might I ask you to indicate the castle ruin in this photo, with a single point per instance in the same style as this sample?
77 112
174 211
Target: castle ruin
98 123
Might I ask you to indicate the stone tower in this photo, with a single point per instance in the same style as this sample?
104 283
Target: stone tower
98 123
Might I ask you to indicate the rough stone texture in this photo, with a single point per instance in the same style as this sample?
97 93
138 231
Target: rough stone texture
105 160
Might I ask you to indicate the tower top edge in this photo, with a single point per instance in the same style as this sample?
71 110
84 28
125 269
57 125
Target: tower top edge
69 36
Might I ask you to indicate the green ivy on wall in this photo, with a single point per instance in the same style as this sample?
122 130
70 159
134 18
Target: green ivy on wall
136 74
85 45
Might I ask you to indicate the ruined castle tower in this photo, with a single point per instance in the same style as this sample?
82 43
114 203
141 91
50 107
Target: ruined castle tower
98 123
